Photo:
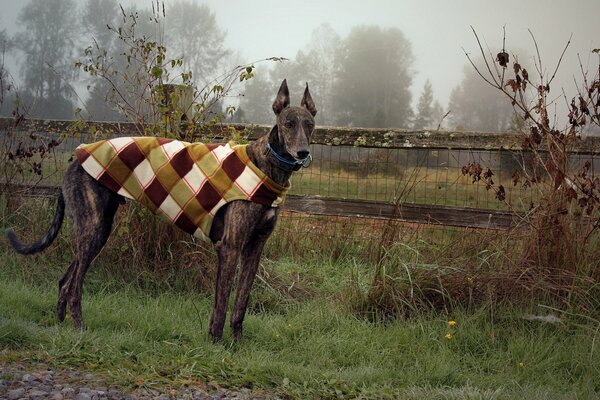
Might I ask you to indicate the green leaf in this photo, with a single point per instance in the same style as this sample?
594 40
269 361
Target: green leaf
156 71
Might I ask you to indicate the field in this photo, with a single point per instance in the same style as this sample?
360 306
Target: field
313 330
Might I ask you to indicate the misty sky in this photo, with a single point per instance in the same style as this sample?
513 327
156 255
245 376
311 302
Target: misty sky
438 30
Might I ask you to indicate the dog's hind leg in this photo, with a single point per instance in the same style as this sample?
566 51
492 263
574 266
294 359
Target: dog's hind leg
92 207
88 248
63 291
89 244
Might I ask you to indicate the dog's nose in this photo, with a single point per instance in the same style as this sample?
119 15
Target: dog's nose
302 154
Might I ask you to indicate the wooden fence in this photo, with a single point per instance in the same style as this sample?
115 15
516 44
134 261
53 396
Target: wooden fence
411 176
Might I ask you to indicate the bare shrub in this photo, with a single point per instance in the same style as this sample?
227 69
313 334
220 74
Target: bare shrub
552 254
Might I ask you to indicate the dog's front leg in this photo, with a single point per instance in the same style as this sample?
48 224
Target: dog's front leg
250 261
228 257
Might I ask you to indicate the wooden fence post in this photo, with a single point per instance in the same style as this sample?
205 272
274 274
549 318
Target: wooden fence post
179 101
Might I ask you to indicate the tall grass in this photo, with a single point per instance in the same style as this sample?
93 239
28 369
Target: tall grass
312 348
336 312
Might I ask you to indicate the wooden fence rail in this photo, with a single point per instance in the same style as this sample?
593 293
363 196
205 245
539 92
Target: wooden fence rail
328 136
315 205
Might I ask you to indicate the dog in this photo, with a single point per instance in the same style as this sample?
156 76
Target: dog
238 229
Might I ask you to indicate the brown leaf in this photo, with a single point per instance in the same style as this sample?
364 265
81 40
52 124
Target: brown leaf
583 106
571 194
525 74
502 59
500 193
513 84
586 168
573 106
589 209
517 67
475 170
535 135
516 177
559 177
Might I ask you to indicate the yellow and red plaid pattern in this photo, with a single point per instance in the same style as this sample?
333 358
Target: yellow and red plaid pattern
186 182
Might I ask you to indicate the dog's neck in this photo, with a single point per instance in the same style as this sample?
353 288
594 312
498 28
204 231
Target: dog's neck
259 155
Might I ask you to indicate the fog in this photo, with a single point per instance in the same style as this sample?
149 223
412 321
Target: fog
439 33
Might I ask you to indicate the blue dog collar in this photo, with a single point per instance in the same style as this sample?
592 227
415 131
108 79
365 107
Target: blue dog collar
287 164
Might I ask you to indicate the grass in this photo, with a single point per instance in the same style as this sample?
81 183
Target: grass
305 335
308 347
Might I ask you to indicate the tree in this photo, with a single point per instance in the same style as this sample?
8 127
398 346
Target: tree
192 33
257 99
314 65
47 40
321 52
4 85
116 56
438 115
476 106
97 16
426 109
374 78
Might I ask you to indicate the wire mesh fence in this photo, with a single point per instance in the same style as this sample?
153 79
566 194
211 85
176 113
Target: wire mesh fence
419 176
368 169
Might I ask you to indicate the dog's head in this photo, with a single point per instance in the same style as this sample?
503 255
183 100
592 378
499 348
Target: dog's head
294 124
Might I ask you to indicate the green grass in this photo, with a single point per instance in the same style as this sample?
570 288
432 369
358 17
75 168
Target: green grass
303 335
309 347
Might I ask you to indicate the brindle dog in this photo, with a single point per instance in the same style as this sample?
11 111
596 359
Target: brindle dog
240 228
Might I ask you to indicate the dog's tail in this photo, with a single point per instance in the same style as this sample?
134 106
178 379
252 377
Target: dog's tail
46 240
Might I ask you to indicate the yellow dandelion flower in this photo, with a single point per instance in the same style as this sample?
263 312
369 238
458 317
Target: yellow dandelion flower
470 280
448 336
452 324
521 365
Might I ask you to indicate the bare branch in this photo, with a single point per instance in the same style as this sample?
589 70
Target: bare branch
484 58
539 58
442 120
479 72
560 59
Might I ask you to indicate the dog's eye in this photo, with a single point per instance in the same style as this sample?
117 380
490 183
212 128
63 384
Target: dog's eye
310 125
290 124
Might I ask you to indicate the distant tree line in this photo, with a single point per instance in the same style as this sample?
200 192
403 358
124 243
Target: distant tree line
365 80
362 80
54 33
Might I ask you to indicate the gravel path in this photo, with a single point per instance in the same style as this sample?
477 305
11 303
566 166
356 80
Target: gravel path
36 381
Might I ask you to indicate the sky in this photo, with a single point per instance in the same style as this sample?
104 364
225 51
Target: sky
438 30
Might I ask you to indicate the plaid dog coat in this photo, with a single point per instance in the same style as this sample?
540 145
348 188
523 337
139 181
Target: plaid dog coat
186 182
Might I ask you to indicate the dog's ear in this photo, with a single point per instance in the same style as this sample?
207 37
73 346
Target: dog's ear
307 102
283 98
